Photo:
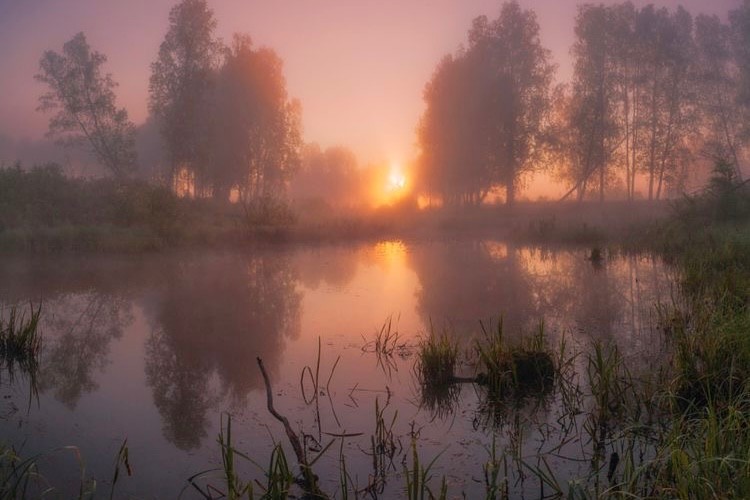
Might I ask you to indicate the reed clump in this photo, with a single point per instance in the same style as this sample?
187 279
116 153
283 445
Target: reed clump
20 338
437 360
514 370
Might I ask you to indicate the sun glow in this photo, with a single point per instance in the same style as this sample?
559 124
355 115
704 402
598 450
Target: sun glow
396 178
389 183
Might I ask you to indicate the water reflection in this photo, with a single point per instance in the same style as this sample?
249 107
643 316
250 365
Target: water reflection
462 283
185 329
79 329
213 317
333 266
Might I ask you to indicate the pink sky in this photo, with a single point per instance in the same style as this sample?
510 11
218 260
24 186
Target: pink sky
358 66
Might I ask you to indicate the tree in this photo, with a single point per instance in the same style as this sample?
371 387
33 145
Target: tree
182 85
739 20
667 54
521 76
718 80
256 135
331 176
632 103
83 101
593 134
454 157
487 110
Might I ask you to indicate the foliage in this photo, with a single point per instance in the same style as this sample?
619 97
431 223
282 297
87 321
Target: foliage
487 110
327 176
224 113
83 100
632 104
256 134
43 198
182 82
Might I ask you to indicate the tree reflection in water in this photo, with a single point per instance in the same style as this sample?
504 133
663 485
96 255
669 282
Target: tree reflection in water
462 284
80 329
213 317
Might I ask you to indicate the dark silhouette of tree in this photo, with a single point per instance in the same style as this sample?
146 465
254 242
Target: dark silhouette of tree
592 134
152 159
182 85
214 315
80 330
718 77
487 110
461 284
632 101
739 20
256 135
667 53
83 102
331 176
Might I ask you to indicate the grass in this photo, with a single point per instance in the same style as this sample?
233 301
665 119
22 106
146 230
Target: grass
437 360
514 370
419 477
21 345
20 340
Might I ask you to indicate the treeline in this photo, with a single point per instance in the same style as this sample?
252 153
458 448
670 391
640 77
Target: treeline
226 124
653 92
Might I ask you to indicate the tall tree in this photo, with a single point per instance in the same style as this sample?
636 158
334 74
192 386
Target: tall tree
83 101
181 87
329 175
633 97
454 158
718 79
520 77
739 19
593 134
487 110
667 53
256 135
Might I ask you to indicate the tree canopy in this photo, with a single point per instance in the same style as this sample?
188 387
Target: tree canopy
487 110
83 101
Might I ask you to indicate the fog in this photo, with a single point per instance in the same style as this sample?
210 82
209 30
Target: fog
516 230
359 68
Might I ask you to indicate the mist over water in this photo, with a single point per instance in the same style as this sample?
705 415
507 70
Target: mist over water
155 348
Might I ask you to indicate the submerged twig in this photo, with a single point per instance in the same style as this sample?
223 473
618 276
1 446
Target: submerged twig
310 480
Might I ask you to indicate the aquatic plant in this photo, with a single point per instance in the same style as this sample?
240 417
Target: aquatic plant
20 339
437 357
514 370
419 477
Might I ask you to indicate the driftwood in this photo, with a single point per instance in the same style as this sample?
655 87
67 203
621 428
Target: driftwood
309 479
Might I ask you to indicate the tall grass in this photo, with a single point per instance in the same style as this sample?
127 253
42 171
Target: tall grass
20 339
437 360
514 370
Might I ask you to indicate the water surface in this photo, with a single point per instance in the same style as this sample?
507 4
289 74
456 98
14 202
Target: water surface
155 348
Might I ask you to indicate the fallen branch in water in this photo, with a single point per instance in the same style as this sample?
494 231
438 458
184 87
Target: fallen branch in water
309 479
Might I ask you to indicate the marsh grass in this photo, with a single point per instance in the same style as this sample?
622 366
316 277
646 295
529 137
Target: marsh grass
385 345
437 360
435 368
420 476
384 446
514 370
17 474
21 346
609 381
20 339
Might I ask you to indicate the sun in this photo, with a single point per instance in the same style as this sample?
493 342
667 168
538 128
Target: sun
396 178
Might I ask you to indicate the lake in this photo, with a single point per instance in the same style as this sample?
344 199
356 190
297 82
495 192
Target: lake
158 348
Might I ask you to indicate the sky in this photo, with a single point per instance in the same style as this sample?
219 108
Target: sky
358 66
